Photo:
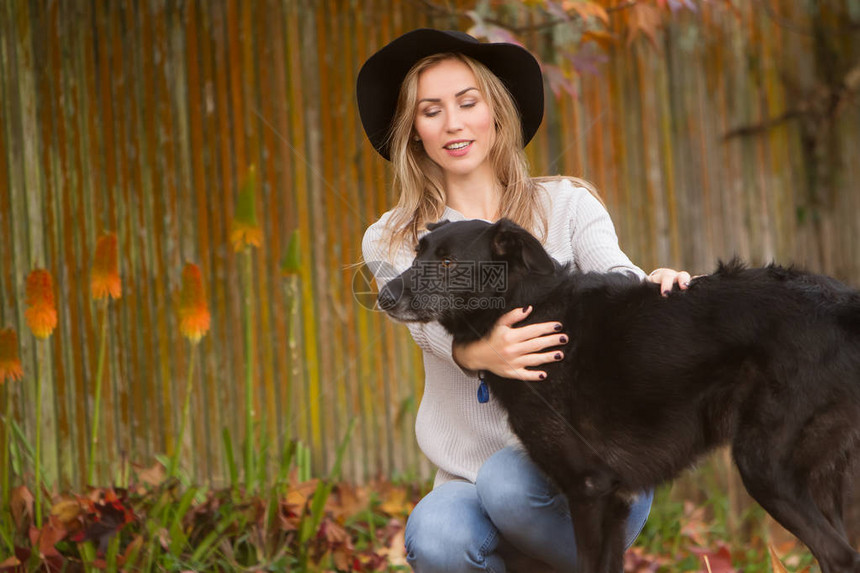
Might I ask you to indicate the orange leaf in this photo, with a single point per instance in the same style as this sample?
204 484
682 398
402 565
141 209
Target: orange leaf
396 502
299 494
643 19
586 10
10 563
347 501
777 565
600 37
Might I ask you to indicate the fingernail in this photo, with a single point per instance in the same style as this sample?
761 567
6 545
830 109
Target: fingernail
558 355
557 327
665 293
563 339
687 283
542 376
526 308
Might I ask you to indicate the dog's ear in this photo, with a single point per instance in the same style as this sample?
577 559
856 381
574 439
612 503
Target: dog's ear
513 243
434 226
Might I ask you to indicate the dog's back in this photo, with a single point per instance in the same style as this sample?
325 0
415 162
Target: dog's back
650 381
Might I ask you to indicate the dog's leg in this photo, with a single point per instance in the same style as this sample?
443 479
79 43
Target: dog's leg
599 524
587 516
615 514
591 486
829 492
790 502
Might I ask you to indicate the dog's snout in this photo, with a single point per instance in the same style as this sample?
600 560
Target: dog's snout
388 295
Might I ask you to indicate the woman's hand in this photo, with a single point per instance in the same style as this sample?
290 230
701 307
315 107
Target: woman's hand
667 278
507 350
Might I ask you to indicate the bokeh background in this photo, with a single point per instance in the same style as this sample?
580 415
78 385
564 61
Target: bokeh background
727 130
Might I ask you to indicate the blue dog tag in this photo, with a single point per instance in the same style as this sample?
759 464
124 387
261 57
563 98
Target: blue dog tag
483 390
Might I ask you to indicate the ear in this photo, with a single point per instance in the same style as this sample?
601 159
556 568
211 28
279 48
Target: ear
513 243
434 226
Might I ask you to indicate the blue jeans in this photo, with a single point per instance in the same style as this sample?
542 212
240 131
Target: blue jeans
511 515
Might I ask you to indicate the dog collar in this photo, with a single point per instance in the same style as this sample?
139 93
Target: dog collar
483 390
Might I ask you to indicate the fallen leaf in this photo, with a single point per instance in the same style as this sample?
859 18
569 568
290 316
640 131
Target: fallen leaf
52 533
69 512
397 549
719 561
300 493
395 502
21 503
153 475
777 565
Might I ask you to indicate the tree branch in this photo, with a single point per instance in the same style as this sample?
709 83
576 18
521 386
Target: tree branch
521 29
822 106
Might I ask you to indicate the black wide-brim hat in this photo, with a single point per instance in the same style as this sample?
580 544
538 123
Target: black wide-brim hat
380 77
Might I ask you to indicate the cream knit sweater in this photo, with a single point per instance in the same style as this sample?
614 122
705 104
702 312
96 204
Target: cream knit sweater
454 430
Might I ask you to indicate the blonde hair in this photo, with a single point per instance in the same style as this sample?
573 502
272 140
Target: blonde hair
419 182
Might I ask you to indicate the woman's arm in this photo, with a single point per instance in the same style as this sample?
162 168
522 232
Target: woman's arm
595 246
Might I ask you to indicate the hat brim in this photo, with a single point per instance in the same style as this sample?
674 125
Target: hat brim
379 79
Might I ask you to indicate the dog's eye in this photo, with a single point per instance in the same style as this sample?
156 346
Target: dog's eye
447 262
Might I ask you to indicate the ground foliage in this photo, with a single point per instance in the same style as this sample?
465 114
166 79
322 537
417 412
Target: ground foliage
164 524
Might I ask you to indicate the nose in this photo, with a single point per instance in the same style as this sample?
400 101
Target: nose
387 297
454 122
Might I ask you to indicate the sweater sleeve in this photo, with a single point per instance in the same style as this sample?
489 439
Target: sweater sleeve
593 237
430 337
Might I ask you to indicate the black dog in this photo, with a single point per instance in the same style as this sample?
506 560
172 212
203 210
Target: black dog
766 359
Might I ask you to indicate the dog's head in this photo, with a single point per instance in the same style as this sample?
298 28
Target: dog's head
463 269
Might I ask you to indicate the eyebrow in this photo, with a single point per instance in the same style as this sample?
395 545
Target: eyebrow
437 100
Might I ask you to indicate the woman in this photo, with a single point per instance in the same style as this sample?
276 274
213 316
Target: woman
453 115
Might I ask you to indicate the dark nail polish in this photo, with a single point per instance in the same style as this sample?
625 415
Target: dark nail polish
558 355
542 376
563 339
665 293
557 327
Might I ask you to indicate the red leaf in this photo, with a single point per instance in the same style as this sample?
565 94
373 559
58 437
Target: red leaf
719 561
52 533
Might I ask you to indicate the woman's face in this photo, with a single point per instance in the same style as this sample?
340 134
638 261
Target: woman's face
453 119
